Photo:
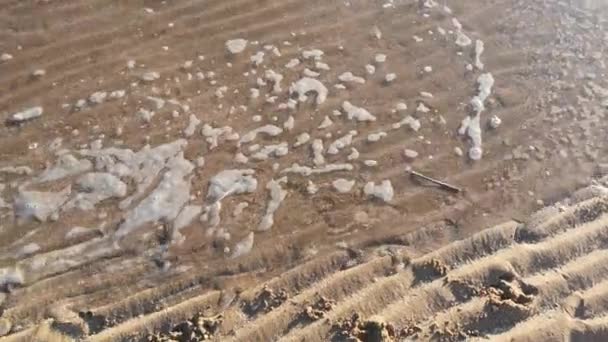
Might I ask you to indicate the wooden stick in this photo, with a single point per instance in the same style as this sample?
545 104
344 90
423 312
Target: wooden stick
441 184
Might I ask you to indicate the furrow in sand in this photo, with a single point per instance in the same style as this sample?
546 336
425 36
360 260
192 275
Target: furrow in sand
337 286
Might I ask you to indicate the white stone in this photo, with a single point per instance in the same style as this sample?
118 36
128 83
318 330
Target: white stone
390 77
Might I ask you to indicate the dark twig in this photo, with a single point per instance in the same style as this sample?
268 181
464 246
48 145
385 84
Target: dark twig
441 184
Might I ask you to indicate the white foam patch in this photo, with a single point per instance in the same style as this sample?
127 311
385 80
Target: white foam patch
317 151
292 63
165 202
11 276
277 195
326 123
354 154
274 151
77 232
309 73
66 165
302 139
315 54
357 113
17 170
413 123
384 191
307 171
343 185
39 205
269 130
96 187
184 219
289 123
471 125
479 48
348 77
59 261
257 59
306 85
462 39
236 46
341 143
375 137
231 182
243 247
193 123
276 79
142 167
213 135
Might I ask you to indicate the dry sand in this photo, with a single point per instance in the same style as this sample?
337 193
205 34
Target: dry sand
169 169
